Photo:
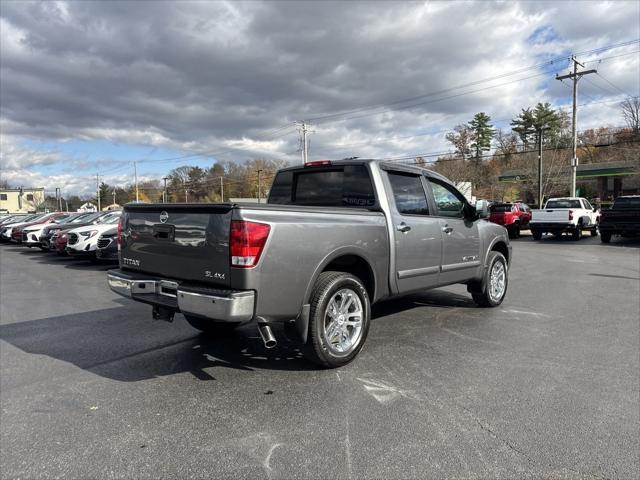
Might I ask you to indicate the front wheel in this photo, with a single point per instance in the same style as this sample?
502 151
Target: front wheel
211 327
536 234
605 237
594 232
495 282
338 320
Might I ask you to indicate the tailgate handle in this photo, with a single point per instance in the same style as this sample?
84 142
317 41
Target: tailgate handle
164 232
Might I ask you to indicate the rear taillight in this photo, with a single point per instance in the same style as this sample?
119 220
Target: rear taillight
247 242
119 235
570 215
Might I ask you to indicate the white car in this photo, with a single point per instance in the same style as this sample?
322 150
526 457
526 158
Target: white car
83 241
7 229
31 235
568 214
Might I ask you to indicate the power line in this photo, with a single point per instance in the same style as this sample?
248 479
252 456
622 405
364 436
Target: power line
612 84
470 84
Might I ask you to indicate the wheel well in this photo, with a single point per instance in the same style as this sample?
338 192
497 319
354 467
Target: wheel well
502 248
356 266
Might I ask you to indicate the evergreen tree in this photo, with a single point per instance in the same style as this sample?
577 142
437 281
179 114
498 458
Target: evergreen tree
483 132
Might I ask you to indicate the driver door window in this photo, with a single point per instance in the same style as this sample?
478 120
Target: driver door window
447 202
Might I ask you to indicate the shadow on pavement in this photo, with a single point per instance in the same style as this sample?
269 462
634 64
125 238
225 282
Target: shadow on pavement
124 344
111 344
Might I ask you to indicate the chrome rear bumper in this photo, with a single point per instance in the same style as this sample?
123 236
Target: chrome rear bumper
219 305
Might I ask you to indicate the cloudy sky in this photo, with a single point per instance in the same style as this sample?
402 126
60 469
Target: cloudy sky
91 86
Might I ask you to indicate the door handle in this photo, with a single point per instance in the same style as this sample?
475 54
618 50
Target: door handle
447 229
403 227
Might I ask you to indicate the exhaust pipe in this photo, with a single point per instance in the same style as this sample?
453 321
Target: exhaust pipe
267 335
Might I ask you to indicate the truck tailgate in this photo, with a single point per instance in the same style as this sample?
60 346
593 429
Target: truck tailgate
550 216
187 242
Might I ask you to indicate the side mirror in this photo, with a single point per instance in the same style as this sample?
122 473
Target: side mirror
482 209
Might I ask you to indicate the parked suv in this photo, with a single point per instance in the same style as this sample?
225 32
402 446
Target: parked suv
513 216
83 241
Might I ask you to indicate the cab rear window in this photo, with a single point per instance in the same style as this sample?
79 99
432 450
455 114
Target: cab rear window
335 186
505 207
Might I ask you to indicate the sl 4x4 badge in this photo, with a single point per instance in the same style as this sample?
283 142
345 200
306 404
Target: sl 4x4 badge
216 275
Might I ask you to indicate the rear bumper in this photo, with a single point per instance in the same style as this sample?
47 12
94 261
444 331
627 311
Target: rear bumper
552 227
219 305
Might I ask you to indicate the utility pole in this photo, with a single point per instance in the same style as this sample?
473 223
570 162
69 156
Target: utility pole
164 192
575 76
98 191
540 195
186 193
135 174
305 143
58 199
221 189
259 172
114 195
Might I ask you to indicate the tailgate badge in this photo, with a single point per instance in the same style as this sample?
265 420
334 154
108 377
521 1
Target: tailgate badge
164 216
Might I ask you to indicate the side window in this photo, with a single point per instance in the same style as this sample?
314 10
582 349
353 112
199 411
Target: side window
587 205
3 196
448 203
408 194
30 197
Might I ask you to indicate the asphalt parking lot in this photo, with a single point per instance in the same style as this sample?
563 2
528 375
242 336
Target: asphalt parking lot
545 386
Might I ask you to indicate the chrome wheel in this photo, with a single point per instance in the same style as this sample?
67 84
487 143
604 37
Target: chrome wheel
497 281
343 322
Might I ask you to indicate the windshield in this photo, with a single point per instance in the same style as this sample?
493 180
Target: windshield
563 203
109 218
90 217
79 218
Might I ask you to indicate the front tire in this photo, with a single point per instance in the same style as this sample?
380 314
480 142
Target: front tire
536 234
594 232
211 327
495 282
338 320
605 237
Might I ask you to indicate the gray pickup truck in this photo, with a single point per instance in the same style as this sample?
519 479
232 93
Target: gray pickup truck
333 238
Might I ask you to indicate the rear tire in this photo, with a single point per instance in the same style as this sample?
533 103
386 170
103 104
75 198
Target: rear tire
577 233
594 232
496 281
605 237
211 327
514 231
536 234
339 319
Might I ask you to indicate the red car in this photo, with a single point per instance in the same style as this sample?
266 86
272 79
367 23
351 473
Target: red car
513 216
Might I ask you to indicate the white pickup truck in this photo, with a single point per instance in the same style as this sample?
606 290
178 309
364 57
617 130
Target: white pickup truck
568 214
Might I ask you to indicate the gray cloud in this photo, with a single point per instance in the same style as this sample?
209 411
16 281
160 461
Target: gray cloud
205 75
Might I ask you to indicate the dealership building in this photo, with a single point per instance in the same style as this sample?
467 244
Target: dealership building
21 200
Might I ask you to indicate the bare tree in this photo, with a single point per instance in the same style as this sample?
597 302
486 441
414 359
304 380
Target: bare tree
461 138
631 113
